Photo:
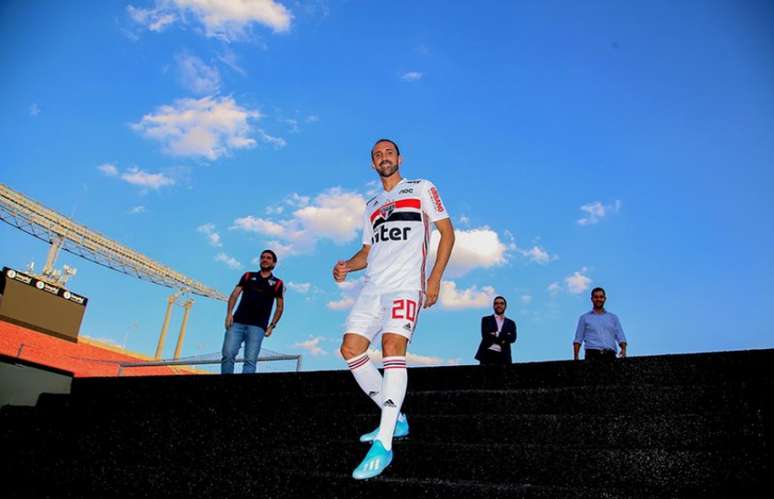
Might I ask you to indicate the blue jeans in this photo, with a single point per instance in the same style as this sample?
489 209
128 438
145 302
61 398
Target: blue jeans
252 336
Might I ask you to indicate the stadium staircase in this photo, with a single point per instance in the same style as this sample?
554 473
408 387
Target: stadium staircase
696 425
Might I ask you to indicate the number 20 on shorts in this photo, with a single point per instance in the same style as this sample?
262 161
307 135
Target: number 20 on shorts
404 309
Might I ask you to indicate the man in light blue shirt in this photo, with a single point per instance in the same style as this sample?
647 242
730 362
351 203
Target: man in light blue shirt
599 330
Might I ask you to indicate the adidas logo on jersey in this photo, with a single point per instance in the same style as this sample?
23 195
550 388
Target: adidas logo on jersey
393 234
389 403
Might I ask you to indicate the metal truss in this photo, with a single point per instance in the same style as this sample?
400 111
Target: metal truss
49 226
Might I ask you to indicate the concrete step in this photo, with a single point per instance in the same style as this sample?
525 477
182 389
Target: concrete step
545 465
138 479
663 431
418 471
605 399
684 369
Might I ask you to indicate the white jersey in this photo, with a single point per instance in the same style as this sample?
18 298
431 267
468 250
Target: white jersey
396 225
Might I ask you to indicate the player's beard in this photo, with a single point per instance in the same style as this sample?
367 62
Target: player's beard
268 267
389 171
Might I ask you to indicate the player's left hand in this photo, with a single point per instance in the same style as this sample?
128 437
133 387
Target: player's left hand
268 331
431 294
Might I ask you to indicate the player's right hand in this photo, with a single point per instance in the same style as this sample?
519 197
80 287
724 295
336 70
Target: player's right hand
340 271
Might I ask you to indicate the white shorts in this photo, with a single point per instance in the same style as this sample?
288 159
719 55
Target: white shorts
395 312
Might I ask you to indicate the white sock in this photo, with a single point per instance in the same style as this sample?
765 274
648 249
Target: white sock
367 376
393 393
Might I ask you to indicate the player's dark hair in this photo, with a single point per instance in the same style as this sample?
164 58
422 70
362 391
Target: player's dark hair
397 150
500 298
598 289
273 254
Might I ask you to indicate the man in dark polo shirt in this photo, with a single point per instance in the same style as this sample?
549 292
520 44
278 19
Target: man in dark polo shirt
250 323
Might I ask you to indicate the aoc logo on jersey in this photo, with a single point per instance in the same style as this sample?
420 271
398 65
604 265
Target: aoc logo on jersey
390 234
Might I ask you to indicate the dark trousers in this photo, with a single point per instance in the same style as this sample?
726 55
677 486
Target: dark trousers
604 355
492 358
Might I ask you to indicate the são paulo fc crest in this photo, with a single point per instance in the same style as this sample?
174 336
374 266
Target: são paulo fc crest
387 210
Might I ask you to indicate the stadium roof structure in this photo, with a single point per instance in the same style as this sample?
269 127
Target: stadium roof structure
62 232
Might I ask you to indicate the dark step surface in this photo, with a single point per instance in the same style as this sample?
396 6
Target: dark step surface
605 399
513 470
666 426
668 431
685 369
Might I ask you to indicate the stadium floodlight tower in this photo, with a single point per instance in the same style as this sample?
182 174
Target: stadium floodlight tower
63 233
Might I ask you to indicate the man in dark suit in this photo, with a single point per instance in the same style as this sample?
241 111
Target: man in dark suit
497 334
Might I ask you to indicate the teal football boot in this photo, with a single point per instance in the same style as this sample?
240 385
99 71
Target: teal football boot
401 430
377 459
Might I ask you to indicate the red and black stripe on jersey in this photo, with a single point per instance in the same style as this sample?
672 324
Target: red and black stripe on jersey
401 210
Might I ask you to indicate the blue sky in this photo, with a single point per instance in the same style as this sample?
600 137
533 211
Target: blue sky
627 145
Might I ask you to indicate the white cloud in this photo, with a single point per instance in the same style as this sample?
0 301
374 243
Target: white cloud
335 215
596 211
342 304
578 282
349 291
277 142
554 288
230 261
526 299
300 287
259 225
474 248
454 299
412 76
147 180
212 235
136 210
227 20
279 248
155 19
229 58
312 118
34 110
298 201
108 169
135 176
210 127
197 76
413 359
538 255
292 125
312 345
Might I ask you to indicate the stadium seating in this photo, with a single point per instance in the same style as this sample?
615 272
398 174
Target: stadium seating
692 425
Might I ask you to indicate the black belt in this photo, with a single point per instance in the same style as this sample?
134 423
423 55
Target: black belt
600 354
